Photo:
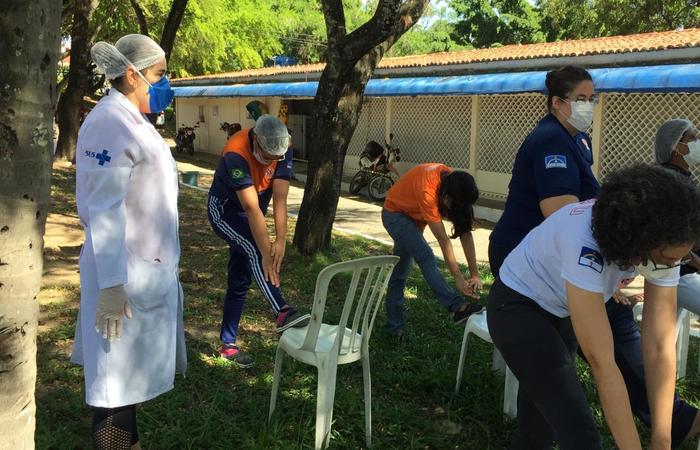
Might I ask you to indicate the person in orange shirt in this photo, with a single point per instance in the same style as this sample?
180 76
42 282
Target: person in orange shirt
424 196
255 167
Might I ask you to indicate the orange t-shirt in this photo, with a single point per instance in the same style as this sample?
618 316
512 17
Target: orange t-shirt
415 194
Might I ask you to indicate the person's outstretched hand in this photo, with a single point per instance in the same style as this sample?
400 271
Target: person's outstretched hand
112 307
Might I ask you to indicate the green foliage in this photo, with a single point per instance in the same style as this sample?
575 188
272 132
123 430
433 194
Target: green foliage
569 19
576 19
421 40
482 23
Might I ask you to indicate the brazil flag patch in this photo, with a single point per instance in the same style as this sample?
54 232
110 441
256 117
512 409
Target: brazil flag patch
237 174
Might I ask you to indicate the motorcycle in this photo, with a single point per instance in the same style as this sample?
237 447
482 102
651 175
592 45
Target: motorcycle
230 128
184 139
377 170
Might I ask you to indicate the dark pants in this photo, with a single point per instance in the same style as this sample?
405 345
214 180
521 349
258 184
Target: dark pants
628 355
245 263
540 349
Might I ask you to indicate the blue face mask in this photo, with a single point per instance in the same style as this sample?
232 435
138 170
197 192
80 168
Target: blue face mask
160 95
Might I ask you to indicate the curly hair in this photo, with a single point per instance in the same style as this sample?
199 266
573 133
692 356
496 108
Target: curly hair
458 190
642 208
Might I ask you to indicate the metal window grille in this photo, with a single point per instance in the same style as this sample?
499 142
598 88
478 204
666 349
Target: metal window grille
630 122
504 122
432 129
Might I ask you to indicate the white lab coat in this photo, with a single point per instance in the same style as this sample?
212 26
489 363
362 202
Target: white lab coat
126 190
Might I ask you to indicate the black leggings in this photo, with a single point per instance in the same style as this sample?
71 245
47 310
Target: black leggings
114 428
540 350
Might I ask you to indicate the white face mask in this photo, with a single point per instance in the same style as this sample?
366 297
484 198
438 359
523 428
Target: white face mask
693 156
581 115
648 272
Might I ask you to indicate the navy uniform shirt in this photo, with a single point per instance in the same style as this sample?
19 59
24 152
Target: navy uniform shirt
549 163
238 169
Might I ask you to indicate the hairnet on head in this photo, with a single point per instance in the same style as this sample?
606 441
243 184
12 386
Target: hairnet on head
133 50
272 135
668 136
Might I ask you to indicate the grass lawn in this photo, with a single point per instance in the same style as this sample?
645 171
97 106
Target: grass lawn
219 406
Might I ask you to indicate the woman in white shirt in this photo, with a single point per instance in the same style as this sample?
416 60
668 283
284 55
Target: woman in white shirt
551 294
129 336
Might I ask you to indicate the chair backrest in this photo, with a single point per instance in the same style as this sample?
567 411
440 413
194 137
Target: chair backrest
370 277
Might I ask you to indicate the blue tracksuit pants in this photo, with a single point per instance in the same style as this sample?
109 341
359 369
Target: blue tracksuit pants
245 263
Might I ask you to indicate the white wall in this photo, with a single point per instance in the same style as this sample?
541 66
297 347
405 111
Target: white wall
210 139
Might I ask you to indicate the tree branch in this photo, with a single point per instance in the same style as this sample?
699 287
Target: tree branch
172 23
140 16
100 25
374 32
334 15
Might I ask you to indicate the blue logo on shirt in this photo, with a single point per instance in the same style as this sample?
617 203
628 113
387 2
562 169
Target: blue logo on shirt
591 258
102 157
555 162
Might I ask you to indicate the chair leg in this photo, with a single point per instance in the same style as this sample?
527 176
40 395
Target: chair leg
498 364
279 357
510 395
682 347
367 381
462 356
327 371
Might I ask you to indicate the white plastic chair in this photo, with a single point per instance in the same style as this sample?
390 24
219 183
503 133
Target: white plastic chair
682 337
476 324
321 345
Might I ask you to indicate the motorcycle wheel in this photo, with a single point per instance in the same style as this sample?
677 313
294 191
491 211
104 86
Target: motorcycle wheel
190 150
379 186
178 148
359 180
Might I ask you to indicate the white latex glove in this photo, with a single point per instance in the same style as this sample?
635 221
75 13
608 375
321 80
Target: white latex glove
112 307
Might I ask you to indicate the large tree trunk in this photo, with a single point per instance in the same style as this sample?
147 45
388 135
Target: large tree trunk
29 46
351 61
167 40
71 100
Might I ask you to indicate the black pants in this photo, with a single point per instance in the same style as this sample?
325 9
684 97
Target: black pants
628 356
540 349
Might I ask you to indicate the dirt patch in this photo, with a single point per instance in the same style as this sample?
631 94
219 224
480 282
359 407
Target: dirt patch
63 240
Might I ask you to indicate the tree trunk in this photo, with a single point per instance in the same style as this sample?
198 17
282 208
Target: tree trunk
167 40
141 17
71 101
351 61
29 46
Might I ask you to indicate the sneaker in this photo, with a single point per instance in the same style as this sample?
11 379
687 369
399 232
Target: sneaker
291 318
400 338
235 355
461 315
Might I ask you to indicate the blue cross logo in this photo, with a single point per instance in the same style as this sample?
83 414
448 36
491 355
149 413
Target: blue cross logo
103 158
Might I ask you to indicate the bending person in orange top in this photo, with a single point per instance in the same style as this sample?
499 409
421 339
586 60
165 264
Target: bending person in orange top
424 196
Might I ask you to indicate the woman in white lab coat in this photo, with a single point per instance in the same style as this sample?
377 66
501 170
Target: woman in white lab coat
129 335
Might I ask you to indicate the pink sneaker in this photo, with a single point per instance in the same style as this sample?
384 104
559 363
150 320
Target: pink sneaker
290 317
234 354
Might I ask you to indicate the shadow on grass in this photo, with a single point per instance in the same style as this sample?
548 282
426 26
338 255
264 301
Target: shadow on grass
219 406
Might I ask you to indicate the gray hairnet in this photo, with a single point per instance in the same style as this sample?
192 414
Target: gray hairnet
272 135
132 50
668 136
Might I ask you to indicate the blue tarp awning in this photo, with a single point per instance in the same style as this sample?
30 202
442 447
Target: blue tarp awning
667 78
